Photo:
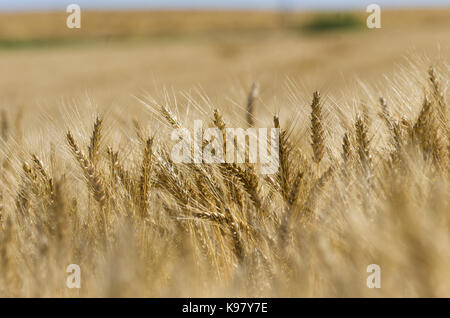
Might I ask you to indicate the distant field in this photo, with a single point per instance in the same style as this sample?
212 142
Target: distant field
117 54
51 26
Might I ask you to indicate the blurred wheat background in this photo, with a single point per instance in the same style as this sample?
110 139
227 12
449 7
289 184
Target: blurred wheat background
86 176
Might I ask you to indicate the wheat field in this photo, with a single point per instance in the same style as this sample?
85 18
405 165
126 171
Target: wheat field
363 174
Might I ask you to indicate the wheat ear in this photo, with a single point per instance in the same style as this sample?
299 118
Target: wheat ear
93 178
94 146
317 133
252 96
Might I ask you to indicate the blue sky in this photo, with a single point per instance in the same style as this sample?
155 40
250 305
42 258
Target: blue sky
13 5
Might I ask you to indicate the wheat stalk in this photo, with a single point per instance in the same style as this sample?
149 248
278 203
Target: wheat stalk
252 96
95 181
95 140
144 181
363 143
317 134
